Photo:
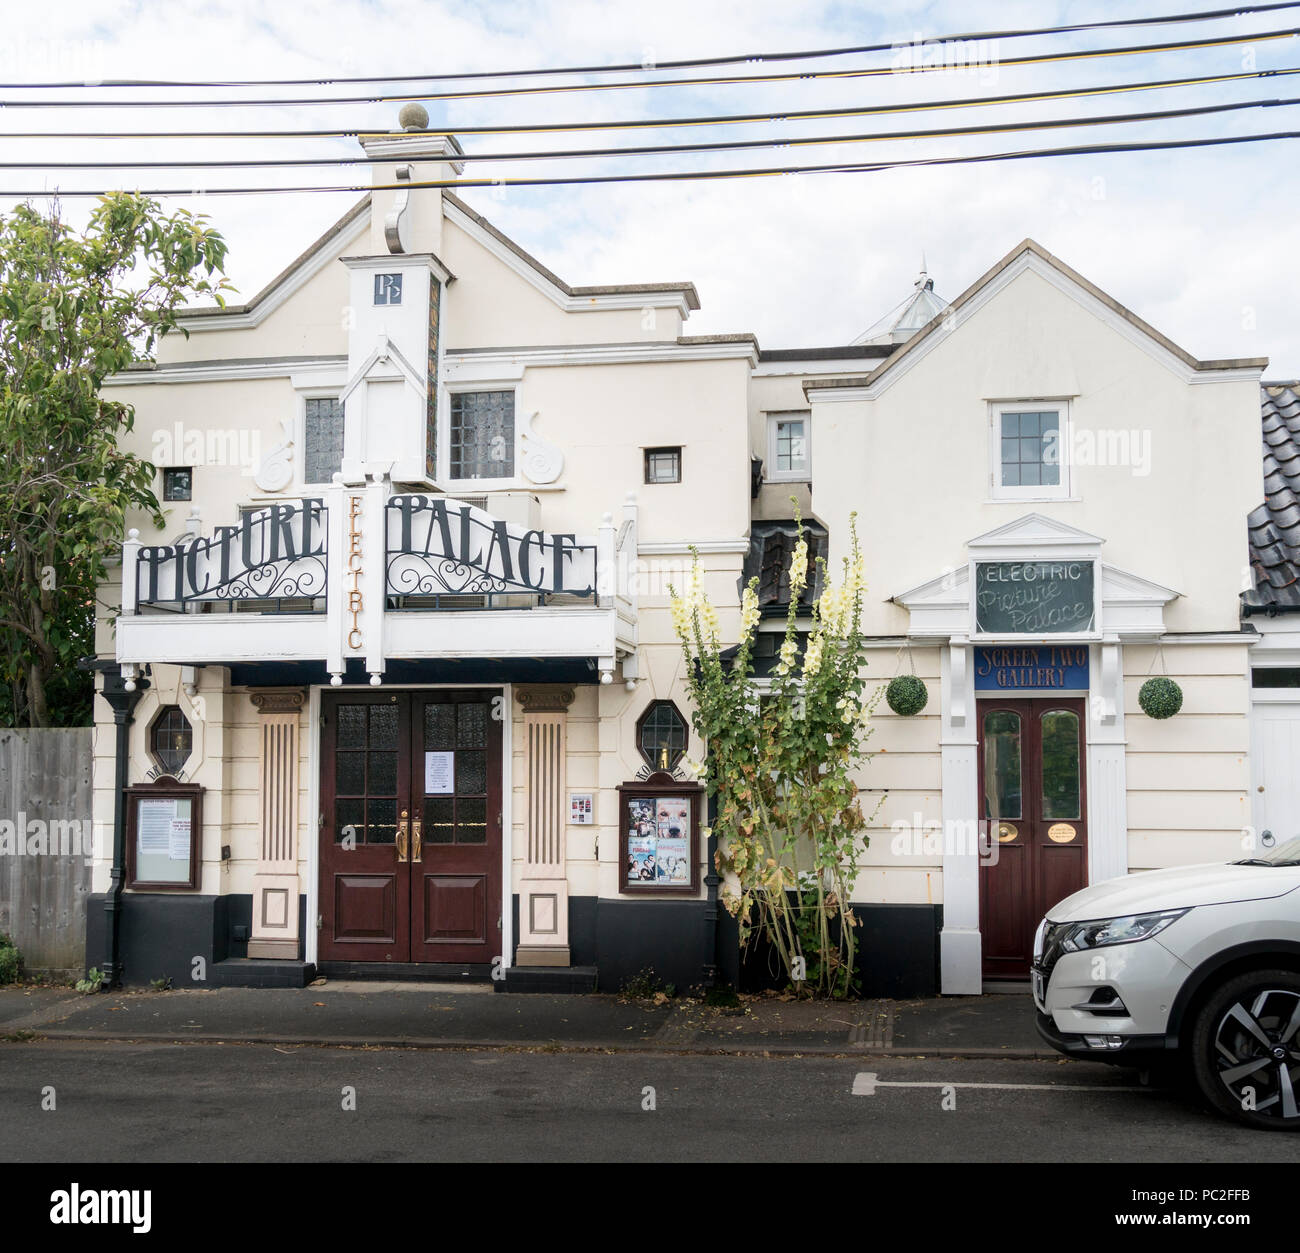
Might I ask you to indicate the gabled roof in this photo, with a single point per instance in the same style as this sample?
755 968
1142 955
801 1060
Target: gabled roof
1274 527
1030 254
687 289
313 252
348 224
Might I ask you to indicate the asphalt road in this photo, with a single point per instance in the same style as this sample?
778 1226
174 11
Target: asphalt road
241 1103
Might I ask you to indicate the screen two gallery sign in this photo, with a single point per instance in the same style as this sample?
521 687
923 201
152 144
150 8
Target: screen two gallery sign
1035 597
1029 668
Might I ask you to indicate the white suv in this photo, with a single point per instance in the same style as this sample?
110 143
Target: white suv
1201 962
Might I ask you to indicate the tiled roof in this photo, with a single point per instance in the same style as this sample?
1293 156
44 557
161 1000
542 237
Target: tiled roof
1274 527
771 545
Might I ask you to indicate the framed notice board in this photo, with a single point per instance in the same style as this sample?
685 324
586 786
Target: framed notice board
659 836
164 827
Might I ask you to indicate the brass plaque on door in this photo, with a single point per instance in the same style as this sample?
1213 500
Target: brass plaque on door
1061 832
1007 832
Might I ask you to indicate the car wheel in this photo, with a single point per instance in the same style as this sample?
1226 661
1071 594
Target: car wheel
1246 1049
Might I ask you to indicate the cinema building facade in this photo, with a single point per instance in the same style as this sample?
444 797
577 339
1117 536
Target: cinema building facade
399 693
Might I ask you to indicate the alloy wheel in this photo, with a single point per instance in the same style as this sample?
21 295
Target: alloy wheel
1257 1052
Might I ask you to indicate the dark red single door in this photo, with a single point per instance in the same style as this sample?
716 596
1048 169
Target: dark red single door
364 788
410 827
1033 797
456 848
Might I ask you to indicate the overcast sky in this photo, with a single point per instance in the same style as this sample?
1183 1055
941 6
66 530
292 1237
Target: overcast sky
1204 243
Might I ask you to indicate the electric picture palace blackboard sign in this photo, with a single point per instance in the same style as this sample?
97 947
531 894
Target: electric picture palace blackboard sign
1034 597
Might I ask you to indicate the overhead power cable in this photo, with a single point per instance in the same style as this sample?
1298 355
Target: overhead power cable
840 167
654 150
800 115
1045 58
1168 19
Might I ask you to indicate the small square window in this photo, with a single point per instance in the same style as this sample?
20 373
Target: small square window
1028 454
388 289
178 483
787 447
663 465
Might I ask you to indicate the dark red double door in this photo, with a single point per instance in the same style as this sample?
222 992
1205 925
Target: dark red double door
410 826
1033 800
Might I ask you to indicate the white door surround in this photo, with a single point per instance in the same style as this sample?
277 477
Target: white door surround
941 610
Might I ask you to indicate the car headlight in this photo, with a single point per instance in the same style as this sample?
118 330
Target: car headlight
1124 930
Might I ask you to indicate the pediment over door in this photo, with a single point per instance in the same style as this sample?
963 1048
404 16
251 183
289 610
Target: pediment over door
1131 607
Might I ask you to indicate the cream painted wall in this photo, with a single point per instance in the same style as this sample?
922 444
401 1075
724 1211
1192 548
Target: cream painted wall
603 417
916 461
1189 775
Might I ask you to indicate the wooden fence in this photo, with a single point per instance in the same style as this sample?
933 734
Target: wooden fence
45 845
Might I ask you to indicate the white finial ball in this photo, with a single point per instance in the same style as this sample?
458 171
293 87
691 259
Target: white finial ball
336 680
413 117
606 678
133 535
376 680
129 685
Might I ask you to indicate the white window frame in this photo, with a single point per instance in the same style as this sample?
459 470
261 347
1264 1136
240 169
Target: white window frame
775 475
305 394
476 486
1058 491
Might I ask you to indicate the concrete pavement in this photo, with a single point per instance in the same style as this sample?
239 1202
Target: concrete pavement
459 1016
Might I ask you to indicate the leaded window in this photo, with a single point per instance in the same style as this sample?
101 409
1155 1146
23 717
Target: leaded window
323 437
482 435
171 739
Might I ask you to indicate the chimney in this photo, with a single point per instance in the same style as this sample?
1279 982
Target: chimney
404 221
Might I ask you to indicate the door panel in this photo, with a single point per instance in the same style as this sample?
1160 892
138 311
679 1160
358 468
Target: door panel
456 895
1033 795
410 827
365 759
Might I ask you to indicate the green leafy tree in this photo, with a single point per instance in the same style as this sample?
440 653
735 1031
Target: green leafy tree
782 765
74 309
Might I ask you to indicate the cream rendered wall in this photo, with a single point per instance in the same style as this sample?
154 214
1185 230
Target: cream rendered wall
602 416
901 787
916 461
311 322
1189 775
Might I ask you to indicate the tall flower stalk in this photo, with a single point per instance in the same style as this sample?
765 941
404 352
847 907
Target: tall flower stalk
781 761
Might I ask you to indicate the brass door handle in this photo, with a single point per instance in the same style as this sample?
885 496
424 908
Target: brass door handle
401 837
417 838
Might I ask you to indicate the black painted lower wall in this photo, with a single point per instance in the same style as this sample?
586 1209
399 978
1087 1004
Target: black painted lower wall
898 945
161 933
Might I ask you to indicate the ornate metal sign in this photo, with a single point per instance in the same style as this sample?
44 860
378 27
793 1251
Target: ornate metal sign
439 546
273 553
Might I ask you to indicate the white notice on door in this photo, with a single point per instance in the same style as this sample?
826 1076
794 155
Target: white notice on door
439 774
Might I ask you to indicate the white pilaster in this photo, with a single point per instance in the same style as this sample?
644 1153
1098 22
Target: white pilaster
1107 778
960 954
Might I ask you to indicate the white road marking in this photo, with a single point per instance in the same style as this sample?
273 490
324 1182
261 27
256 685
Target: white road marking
865 1083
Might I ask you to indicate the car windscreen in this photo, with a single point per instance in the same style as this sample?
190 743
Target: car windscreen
1285 854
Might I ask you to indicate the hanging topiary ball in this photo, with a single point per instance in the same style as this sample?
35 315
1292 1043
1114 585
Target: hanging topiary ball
1160 697
906 695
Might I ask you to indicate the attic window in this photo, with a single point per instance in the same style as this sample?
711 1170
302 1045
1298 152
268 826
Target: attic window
1030 442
